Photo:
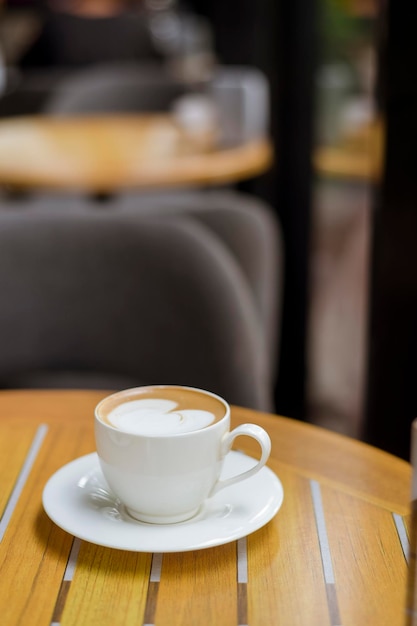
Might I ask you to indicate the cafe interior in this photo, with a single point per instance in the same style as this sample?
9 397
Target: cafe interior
217 195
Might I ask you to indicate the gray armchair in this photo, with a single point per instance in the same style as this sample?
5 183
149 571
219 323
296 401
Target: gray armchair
245 225
114 87
111 300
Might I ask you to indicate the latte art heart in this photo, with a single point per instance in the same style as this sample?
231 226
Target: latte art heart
154 416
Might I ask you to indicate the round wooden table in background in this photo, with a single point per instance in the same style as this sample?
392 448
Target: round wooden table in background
334 553
358 156
106 153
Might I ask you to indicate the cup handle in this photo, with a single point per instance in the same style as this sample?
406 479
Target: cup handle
250 430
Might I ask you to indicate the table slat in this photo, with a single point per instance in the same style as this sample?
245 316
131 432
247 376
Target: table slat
198 588
285 568
369 565
34 551
14 446
109 587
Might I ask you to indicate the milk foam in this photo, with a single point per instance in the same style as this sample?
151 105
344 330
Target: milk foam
152 416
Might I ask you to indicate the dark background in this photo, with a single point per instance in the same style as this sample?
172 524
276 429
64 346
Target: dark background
282 39
392 373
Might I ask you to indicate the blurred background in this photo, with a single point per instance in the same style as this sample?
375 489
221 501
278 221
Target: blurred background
341 101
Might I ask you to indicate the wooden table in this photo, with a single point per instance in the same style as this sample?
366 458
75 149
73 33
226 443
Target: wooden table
356 157
334 553
105 153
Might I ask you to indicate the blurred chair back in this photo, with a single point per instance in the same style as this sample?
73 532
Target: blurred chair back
244 225
114 87
111 301
249 230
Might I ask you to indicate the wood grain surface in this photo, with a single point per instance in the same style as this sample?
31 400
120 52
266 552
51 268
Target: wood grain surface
334 554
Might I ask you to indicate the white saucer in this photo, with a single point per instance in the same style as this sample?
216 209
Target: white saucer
78 500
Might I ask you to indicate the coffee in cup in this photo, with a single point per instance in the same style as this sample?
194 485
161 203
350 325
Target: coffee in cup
160 410
161 449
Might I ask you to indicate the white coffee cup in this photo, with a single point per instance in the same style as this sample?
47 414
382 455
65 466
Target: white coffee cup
161 449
